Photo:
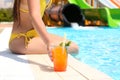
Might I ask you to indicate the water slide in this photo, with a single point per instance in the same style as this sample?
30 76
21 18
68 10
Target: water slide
108 3
109 15
116 2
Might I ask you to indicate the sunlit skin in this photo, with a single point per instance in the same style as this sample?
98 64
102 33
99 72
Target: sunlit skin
33 20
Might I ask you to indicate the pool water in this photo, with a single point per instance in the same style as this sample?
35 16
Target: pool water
98 47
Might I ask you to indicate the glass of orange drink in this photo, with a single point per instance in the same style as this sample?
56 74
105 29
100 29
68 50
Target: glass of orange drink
59 54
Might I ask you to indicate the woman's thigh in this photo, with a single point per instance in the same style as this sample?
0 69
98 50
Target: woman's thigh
37 45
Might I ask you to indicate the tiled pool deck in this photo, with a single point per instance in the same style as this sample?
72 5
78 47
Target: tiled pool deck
42 68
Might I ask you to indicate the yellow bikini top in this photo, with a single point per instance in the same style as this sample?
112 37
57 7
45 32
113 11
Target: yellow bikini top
43 6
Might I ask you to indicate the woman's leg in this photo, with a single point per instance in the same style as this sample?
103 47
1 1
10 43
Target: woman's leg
37 46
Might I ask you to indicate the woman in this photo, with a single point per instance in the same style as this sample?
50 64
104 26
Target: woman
29 35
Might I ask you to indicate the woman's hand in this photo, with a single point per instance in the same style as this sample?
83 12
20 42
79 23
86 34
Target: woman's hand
49 48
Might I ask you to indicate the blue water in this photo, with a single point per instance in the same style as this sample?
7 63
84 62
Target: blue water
98 47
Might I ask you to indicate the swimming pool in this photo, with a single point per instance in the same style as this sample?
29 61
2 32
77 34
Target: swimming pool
99 47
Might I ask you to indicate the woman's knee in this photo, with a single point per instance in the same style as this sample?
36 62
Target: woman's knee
73 48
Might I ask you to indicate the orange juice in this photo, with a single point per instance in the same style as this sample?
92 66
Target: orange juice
59 58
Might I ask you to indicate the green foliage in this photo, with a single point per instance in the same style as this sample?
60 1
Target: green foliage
66 44
6 15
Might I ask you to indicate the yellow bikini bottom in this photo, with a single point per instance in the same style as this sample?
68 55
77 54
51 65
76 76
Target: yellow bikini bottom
28 36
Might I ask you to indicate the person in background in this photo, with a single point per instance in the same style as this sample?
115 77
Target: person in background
29 34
